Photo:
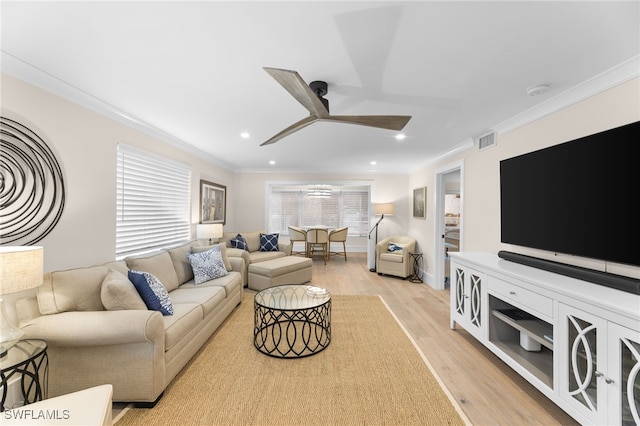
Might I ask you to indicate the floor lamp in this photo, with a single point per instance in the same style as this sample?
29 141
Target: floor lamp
379 209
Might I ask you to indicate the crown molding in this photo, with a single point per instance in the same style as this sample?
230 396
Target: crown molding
45 81
606 80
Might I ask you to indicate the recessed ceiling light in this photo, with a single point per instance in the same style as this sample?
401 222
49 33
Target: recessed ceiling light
400 136
244 135
373 163
272 162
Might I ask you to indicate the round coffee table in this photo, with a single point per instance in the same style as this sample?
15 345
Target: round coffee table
292 321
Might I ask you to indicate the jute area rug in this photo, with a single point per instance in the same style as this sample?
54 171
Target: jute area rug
371 374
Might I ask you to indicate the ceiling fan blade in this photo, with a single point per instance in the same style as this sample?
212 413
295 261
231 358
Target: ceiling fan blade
295 85
391 122
291 129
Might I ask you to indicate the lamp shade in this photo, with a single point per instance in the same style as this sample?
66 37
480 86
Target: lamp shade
383 208
209 230
21 268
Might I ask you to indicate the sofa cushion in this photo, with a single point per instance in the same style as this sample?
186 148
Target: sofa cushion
75 289
253 240
118 293
208 297
239 242
181 263
186 317
159 265
207 265
231 283
261 256
153 293
392 257
269 242
223 250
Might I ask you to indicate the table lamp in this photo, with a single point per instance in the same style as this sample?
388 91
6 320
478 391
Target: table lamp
21 268
209 230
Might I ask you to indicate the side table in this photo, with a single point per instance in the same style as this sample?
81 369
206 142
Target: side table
28 361
417 262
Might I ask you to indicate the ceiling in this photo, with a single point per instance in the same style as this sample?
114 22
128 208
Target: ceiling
191 72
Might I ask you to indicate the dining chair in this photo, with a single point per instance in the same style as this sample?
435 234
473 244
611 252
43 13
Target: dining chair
298 235
339 235
318 238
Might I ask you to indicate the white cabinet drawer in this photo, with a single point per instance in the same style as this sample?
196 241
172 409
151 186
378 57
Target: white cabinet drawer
523 297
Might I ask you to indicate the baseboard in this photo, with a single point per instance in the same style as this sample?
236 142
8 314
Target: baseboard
618 282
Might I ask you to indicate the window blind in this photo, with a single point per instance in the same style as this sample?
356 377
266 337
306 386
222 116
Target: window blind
153 202
342 208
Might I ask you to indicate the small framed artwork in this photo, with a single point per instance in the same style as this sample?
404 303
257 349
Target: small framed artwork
213 203
420 202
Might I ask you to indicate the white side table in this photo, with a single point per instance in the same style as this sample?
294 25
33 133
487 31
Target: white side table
89 407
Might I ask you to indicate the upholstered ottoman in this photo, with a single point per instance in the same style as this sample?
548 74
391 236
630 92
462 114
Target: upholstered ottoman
283 270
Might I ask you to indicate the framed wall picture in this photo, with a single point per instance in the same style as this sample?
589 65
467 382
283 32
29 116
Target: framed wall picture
213 203
420 202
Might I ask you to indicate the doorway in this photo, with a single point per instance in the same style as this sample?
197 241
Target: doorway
449 221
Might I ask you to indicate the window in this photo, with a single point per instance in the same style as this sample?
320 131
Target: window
153 202
292 207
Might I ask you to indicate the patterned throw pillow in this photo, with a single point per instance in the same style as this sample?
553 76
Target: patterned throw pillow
152 291
207 265
394 248
239 242
269 242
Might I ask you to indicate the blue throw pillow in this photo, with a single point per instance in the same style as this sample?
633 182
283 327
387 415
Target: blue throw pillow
152 291
269 242
393 247
208 265
239 242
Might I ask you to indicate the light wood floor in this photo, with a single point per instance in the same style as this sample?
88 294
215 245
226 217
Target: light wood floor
488 390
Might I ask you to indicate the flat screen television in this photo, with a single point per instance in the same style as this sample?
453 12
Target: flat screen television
579 197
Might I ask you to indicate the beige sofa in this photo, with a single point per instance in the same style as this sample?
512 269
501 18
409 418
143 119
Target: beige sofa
136 350
398 263
253 254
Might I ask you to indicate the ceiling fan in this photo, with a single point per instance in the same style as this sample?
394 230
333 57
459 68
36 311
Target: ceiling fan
311 97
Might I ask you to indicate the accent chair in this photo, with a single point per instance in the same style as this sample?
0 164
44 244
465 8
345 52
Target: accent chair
318 242
339 235
298 235
393 256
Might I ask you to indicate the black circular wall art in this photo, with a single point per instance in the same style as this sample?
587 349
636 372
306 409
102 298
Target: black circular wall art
31 185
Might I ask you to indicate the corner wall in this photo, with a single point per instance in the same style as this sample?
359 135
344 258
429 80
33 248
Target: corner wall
84 143
481 204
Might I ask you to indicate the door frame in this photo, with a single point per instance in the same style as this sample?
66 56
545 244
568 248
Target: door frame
439 203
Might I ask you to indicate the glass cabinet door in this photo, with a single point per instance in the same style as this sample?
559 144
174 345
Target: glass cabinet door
623 379
584 358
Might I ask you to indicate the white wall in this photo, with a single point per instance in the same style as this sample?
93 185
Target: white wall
84 143
250 208
481 201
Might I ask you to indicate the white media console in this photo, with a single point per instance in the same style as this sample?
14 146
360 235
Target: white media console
575 341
